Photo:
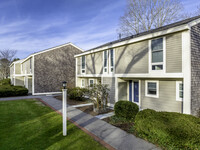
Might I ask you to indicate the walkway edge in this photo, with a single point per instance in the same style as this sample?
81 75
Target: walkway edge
96 138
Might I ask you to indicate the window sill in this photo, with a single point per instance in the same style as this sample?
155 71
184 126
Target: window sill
153 96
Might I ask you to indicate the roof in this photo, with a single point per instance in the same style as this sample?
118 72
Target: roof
176 24
49 49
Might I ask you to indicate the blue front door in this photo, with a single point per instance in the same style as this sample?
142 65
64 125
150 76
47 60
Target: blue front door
136 92
130 90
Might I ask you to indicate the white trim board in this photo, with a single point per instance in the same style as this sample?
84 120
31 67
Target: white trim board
147 75
47 93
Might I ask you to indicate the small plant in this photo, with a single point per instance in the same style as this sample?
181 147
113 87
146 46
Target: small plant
99 94
77 93
126 109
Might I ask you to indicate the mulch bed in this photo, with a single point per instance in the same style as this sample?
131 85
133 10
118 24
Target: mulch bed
89 110
72 102
124 126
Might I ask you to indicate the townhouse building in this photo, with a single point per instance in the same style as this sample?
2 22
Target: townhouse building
157 69
43 72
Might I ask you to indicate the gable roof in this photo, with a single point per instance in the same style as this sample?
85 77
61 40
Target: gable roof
49 49
166 27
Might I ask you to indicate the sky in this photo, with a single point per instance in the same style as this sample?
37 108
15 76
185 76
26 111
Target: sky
30 26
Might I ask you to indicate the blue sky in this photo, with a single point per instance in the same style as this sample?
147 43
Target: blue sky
29 26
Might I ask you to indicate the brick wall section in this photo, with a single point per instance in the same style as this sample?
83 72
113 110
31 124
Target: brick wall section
195 69
53 67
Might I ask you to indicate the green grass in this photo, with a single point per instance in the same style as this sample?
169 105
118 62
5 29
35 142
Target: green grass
169 130
29 125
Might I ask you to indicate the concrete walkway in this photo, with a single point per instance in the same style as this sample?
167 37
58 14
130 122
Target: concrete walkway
111 135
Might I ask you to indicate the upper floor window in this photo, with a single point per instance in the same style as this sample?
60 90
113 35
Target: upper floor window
111 60
108 61
30 65
105 61
179 90
157 54
83 65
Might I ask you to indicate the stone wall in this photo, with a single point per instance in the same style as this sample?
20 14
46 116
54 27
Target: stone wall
53 67
195 69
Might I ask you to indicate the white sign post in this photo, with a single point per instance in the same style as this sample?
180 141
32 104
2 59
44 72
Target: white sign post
64 112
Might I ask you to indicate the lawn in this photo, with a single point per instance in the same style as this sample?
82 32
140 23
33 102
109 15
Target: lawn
28 124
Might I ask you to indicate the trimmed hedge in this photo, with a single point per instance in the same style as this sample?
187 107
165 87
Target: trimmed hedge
9 90
126 109
77 93
5 82
168 129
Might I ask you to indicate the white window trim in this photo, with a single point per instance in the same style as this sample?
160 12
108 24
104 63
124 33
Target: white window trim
82 83
113 61
25 69
91 80
107 62
177 91
157 89
85 65
21 68
164 57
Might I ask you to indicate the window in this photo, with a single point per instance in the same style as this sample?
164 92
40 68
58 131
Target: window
30 65
105 61
108 61
157 54
83 65
111 60
91 82
179 90
152 89
83 83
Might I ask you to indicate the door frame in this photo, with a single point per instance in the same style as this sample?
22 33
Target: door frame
139 92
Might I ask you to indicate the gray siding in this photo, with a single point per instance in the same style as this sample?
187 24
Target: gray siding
29 84
78 65
18 68
19 81
174 53
132 58
110 81
167 98
53 67
195 69
122 90
94 63
26 67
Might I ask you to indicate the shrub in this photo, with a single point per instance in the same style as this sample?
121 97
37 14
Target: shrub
126 109
8 90
168 129
77 93
5 82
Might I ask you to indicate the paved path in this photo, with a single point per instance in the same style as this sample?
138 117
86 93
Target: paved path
111 135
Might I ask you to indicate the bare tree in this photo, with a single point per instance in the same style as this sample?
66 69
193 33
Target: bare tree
198 10
6 58
143 15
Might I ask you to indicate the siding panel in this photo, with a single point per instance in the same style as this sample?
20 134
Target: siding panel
167 98
174 53
94 63
110 81
132 58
